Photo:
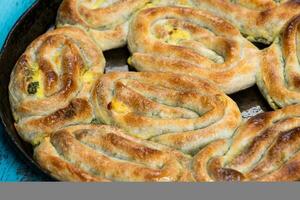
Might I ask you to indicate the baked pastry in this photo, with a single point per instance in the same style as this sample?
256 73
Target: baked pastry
279 78
146 126
265 148
105 21
182 112
192 42
51 83
103 153
259 20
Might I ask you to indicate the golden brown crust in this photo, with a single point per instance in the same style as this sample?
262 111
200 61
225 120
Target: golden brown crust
265 148
258 20
103 153
51 83
179 111
106 23
279 77
192 42
58 95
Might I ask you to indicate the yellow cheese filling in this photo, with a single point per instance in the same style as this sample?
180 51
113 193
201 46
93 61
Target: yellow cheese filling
40 90
34 66
176 34
88 77
119 106
37 79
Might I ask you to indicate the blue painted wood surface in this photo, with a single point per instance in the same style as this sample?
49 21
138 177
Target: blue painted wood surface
12 168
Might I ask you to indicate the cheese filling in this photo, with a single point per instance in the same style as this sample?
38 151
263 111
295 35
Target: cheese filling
119 107
88 77
175 35
35 87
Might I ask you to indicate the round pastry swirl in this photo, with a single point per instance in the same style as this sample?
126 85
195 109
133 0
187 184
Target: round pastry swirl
182 112
265 148
259 20
192 42
106 21
103 153
51 83
279 78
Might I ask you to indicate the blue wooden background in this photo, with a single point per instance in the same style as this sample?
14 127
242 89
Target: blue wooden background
12 168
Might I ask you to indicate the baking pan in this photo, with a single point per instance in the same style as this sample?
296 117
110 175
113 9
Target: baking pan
37 20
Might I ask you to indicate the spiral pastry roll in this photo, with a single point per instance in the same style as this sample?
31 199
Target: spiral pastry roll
265 148
192 42
88 153
182 112
51 83
259 20
279 78
106 21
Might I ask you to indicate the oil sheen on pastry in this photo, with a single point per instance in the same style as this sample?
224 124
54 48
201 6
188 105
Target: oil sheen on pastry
106 21
265 148
192 42
182 112
258 20
279 77
91 153
51 83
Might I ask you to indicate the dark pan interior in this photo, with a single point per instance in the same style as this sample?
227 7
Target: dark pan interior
35 22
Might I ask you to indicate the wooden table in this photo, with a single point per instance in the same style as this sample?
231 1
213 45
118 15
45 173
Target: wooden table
12 168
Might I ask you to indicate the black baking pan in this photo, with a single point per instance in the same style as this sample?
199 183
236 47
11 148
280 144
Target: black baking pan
37 20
